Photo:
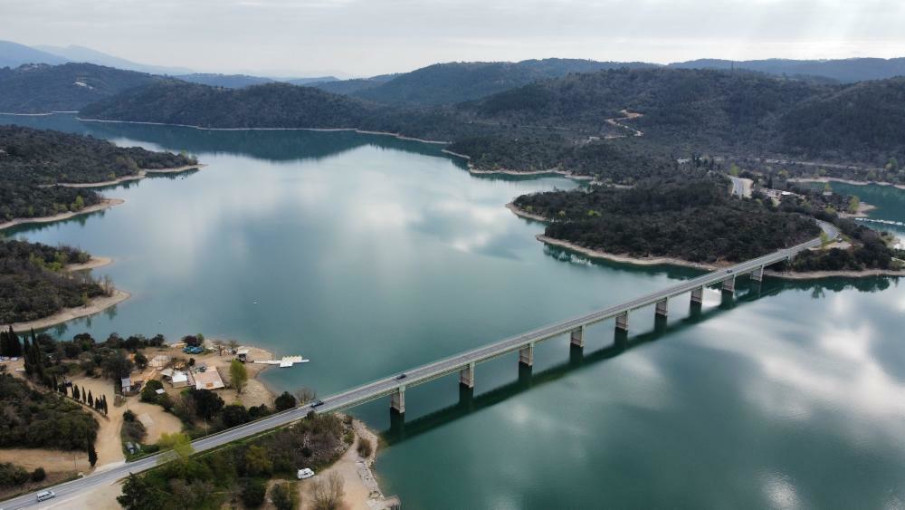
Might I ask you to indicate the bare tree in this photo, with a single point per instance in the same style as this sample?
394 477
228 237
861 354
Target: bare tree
328 494
219 345
305 394
233 346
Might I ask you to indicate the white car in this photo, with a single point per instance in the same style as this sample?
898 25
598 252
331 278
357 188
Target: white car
45 495
305 473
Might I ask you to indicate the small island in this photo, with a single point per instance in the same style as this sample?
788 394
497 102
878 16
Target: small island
690 219
43 176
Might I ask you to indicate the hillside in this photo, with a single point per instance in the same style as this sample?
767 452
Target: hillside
230 81
861 122
350 87
14 55
32 159
270 105
43 88
843 70
690 107
462 81
74 53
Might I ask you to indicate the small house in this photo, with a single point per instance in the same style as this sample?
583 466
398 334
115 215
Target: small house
126 384
176 378
208 380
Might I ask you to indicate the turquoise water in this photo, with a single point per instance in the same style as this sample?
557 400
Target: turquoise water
369 255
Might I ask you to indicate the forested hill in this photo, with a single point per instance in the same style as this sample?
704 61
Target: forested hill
861 122
678 105
689 217
461 81
40 88
32 160
736 113
274 105
847 70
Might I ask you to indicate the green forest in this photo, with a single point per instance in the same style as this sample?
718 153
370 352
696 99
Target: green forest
692 219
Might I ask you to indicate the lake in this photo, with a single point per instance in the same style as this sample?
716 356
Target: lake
370 255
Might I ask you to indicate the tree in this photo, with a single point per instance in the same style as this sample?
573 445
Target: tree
328 494
257 461
218 343
305 394
141 361
139 494
179 444
207 403
234 414
75 392
854 203
92 454
282 496
238 375
233 346
253 493
284 401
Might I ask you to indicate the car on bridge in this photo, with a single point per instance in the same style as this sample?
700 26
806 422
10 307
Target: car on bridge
317 403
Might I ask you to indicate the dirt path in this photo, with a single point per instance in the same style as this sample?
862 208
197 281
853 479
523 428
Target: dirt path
626 115
361 490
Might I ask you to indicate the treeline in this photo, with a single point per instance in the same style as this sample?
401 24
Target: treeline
689 217
35 284
607 162
240 472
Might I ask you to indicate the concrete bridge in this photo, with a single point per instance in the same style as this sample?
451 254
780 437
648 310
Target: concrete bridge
465 364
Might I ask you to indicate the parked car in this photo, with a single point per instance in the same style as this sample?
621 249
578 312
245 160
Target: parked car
305 473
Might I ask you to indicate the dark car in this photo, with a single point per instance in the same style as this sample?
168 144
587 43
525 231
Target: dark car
317 403
400 377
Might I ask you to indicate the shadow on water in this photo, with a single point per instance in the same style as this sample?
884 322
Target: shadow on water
401 429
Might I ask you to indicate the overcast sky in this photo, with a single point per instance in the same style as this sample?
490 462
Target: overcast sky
367 37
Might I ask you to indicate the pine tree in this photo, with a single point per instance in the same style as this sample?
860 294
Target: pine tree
90 399
92 454
26 347
105 405
75 391
4 344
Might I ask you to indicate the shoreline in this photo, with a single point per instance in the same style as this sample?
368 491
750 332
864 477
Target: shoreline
144 172
667 261
528 173
325 130
93 262
846 181
103 205
67 314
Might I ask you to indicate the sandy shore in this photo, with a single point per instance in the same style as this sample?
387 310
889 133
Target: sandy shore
361 489
525 214
67 314
140 175
105 204
92 263
638 261
846 181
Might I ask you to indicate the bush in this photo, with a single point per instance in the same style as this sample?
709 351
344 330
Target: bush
38 475
12 475
284 401
149 392
253 493
128 416
364 447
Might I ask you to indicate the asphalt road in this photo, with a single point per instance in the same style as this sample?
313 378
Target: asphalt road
424 373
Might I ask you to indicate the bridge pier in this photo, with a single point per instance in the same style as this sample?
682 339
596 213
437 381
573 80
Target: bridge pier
697 295
622 321
729 284
662 308
758 274
466 376
577 337
526 355
397 401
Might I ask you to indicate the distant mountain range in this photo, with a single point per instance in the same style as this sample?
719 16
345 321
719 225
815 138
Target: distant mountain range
88 55
845 71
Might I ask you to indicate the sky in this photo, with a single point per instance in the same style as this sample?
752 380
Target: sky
367 37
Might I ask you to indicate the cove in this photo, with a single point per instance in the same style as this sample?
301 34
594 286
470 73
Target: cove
369 255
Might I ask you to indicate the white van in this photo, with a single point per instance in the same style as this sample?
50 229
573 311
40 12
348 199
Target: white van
305 473
45 495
